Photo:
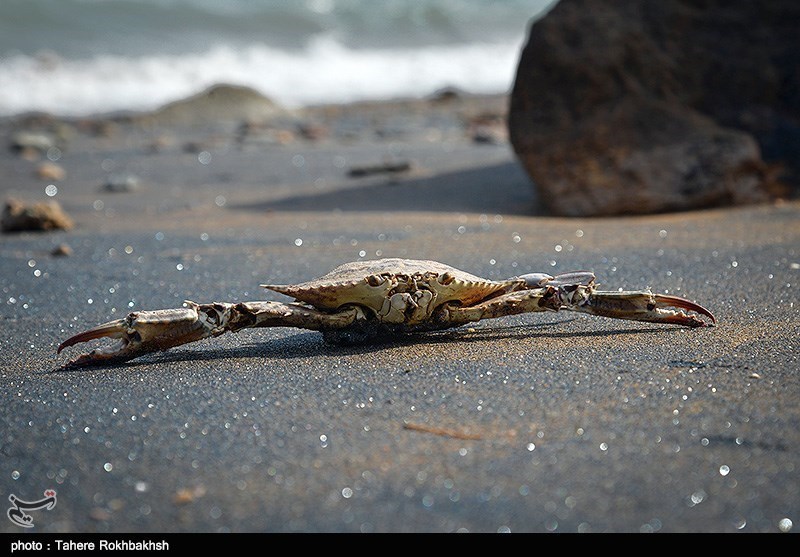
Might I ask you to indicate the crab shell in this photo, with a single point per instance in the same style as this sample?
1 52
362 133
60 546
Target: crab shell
396 290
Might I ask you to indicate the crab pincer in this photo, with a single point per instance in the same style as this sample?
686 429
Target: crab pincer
646 306
139 333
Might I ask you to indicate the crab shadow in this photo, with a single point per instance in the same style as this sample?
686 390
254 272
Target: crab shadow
311 344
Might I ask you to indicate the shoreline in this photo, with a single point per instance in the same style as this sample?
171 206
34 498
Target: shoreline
227 94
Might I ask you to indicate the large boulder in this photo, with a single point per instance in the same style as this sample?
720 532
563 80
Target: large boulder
624 107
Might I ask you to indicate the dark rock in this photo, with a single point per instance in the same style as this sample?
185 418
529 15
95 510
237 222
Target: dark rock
386 168
657 105
446 94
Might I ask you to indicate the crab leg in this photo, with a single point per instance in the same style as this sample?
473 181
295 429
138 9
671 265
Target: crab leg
636 306
142 332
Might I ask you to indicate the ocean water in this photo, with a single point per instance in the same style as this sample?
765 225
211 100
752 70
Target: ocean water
80 57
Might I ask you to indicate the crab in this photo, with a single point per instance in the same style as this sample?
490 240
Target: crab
365 300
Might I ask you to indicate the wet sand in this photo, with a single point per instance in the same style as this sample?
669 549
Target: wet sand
548 422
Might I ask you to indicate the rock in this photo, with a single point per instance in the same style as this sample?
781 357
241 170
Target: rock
43 216
121 183
261 133
386 168
219 104
488 128
658 105
196 147
312 131
61 250
160 143
186 495
446 94
25 141
101 127
50 171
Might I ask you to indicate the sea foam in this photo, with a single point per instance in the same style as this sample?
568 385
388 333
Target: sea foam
325 71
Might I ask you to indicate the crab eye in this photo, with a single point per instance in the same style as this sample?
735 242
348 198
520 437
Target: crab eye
447 278
375 280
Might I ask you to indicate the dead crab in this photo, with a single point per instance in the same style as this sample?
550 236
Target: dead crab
366 299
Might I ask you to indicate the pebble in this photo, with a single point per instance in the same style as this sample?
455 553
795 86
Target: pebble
25 141
185 495
120 183
50 171
61 250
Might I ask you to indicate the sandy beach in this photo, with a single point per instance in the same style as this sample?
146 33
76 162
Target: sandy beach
539 423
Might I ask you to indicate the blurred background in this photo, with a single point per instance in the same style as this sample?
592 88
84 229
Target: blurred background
80 57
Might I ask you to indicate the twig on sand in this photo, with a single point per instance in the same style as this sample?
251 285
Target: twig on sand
441 431
387 168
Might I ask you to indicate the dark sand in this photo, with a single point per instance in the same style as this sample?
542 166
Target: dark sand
547 422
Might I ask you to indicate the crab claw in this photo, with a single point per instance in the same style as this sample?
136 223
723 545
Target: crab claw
663 302
646 306
141 332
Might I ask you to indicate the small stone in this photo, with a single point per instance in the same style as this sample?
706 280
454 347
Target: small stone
25 141
185 495
194 147
387 168
447 94
61 250
30 154
120 183
284 137
160 143
312 131
97 128
50 171
491 131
